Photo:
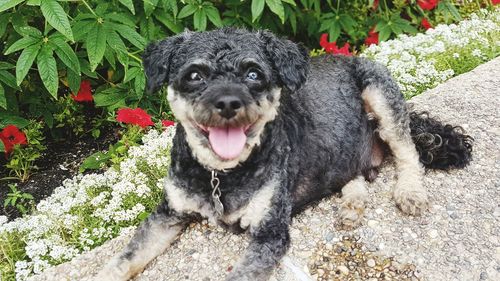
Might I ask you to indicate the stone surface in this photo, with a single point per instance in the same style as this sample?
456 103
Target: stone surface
457 239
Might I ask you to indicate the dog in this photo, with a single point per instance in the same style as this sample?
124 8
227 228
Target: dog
264 131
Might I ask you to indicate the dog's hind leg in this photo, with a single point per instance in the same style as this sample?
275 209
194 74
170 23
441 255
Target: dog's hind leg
388 106
151 239
354 196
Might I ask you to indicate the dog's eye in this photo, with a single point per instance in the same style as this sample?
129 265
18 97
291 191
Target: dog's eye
195 76
253 76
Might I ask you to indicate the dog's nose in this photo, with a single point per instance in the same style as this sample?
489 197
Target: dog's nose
228 106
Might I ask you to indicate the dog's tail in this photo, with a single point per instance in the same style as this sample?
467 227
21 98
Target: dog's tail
440 146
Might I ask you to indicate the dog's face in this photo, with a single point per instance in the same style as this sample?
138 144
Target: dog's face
224 87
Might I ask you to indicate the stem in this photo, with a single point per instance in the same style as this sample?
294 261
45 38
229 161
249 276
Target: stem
386 9
134 57
88 7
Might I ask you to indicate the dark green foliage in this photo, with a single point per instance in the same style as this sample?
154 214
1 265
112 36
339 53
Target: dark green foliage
48 47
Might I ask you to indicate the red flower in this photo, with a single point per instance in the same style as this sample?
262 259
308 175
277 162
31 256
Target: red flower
375 4
332 48
323 40
425 24
85 92
134 116
495 2
427 4
167 123
10 136
372 37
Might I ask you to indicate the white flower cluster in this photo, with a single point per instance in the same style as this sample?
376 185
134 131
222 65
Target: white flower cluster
88 210
427 59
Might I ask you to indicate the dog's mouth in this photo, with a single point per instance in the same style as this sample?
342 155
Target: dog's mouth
227 142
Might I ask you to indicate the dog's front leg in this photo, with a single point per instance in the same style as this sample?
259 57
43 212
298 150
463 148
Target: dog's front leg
270 240
151 239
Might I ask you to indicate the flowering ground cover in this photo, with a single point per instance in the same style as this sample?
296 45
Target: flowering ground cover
88 210
423 61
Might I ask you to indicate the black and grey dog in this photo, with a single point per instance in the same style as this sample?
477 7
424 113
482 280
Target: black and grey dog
264 131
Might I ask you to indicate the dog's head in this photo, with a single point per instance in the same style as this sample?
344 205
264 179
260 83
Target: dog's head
224 86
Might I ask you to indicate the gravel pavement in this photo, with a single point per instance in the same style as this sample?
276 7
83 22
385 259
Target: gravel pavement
457 239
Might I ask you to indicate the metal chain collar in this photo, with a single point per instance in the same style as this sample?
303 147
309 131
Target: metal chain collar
216 193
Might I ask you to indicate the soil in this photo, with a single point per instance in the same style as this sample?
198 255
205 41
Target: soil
60 161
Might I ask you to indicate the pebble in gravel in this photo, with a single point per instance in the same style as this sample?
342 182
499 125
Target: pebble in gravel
348 260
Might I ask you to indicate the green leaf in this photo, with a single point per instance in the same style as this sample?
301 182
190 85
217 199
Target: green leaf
21 44
108 97
115 42
121 18
347 23
65 54
384 30
292 18
74 80
291 2
334 32
326 24
131 74
94 161
3 104
213 15
150 6
142 216
4 21
171 5
96 45
110 57
8 79
186 11
130 34
82 28
2 149
276 6
139 85
129 4
25 61
7 4
448 9
200 20
169 22
257 8
10 119
57 18
47 69
85 67
33 2
21 26
6 65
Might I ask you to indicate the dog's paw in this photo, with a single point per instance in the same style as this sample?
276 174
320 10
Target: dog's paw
112 272
351 212
412 201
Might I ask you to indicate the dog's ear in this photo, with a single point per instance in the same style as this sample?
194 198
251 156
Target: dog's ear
157 58
290 60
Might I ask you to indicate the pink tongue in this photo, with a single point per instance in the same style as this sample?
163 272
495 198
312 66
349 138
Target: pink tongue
227 142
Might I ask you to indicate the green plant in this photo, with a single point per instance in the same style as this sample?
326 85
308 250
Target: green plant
52 43
21 161
70 116
22 201
116 152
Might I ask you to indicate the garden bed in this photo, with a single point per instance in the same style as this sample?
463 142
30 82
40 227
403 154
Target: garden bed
60 161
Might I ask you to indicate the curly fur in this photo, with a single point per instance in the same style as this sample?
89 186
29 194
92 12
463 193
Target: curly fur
440 146
321 124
